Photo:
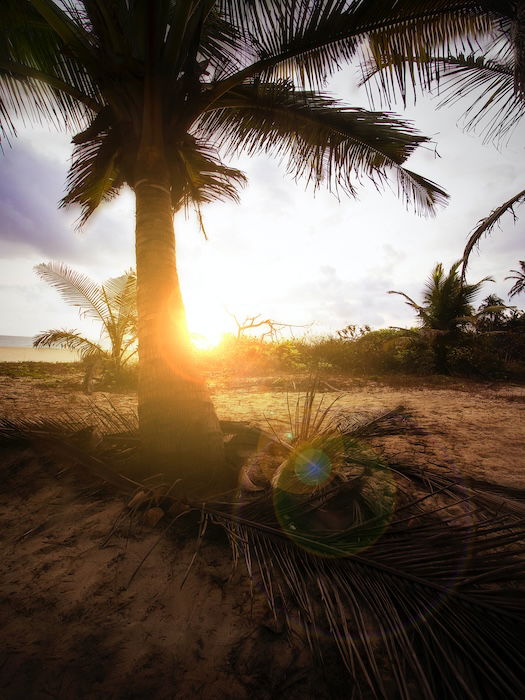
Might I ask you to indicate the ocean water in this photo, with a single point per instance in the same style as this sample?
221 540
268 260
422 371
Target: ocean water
19 348
16 341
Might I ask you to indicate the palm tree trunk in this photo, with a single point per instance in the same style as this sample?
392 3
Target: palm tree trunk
441 344
179 430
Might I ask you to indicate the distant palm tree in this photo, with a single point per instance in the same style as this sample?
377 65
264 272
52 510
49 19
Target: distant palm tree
491 314
519 286
112 304
447 308
153 91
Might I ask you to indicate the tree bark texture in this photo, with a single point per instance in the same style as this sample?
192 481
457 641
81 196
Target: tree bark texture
179 430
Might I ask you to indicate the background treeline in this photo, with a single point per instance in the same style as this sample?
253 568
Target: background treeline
494 348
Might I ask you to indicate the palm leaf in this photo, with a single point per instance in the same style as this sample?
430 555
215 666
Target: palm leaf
413 52
94 175
486 225
221 48
417 598
421 311
76 289
319 139
308 41
70 339
494 104
120 294
38 79
392 589
198 176
519 286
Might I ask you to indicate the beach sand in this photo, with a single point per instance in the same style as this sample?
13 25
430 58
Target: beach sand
76 624
477 429
18 354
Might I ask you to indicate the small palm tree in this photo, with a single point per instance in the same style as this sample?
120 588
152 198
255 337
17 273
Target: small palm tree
447 308
519 285
112 304
491 314
447 300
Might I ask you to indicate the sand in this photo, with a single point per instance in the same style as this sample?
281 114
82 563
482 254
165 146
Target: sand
74 624
19 354
476 428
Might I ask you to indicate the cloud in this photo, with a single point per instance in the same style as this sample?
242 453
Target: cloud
32 225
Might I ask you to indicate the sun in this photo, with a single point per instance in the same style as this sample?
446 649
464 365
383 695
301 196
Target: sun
207 341
207 326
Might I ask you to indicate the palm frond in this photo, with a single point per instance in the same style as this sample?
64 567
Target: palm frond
120 295
198 176
75 288
70 339
308 41
519 286
320 139
39 79
410 302
101 441
412 52
414 578
487 84
221 48
94 175
121 290
347 549
495 106
486 225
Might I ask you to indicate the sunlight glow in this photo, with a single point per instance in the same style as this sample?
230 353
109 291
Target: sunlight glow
206 341
208 322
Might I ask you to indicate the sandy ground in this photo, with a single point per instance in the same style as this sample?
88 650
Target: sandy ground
477 429
14 354
76 624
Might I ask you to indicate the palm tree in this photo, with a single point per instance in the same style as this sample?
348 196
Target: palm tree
154 92
447 308
519 285
113 304
491 314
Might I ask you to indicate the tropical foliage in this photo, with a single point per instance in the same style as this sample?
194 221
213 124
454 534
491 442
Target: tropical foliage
447 300
112 304
486 225
481 66
156 93
519 285
447 308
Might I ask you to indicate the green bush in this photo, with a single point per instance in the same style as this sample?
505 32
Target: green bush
380 352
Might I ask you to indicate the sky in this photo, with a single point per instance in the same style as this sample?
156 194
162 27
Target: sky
283 252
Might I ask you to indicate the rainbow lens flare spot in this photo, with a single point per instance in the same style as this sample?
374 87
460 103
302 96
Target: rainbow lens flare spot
312 467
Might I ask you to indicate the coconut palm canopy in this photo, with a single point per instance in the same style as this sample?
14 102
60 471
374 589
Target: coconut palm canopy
155 93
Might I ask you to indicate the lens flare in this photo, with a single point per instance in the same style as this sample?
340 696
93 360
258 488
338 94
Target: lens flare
312 467
323 502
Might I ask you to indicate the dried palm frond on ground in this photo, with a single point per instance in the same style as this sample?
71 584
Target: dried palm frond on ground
414 577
